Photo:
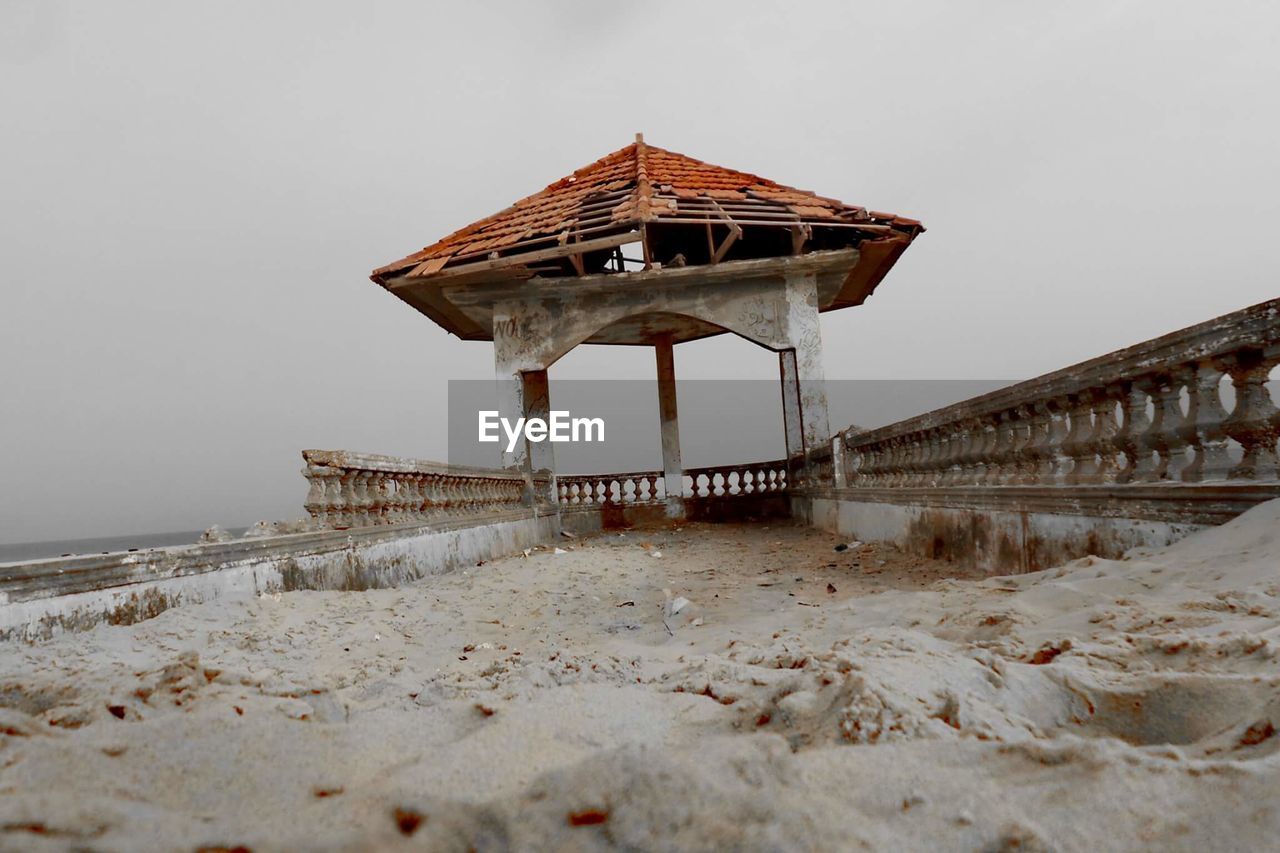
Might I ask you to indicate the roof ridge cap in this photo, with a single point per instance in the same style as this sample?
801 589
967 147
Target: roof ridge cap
644 190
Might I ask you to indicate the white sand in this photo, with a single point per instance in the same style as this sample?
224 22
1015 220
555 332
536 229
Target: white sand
497 708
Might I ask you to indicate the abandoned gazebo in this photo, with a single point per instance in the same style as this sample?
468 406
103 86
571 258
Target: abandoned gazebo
1137 447
646 247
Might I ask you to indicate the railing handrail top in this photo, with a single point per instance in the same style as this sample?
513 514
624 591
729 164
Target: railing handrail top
658 473
625 475
1215 337
340 459
376 462
772 463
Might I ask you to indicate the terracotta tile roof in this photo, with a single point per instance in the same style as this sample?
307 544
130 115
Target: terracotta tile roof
638 184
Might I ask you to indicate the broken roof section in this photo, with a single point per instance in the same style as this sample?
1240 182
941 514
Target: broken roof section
644 207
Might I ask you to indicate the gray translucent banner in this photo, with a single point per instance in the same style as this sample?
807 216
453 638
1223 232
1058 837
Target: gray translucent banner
722 422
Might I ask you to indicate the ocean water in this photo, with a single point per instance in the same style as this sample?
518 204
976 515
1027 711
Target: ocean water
21 551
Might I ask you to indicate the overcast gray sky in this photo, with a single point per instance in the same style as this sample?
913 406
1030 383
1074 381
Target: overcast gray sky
193 195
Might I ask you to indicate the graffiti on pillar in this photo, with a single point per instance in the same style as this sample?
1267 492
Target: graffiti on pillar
760 325
505 327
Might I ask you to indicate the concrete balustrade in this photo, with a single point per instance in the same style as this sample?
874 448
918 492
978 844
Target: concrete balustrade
1117 419
594 489
734 480
360 489
1161 437
749 492
639 487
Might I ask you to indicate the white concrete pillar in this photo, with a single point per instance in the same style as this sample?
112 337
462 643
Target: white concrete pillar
511 394
805 335
790 403
672 469
542 457
511 406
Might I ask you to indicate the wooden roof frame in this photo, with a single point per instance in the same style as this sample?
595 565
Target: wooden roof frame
616 202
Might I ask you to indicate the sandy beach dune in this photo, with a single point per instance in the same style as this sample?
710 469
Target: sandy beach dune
704 687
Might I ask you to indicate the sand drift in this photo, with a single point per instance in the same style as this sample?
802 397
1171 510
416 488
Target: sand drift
707 687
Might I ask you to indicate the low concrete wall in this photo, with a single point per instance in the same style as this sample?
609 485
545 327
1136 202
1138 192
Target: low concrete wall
592 518
739 508
581 520
44 597
1022 529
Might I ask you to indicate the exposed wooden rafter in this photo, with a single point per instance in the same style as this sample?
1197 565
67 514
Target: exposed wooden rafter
735 231
575 258
525 258
644 246
800 234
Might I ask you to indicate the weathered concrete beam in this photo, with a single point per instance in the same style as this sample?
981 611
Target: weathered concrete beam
634 307
734 273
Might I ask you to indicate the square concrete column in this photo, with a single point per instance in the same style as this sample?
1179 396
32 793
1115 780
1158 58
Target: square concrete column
542 457
525 395
672 469
516 394
511 406
805 335
791 403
